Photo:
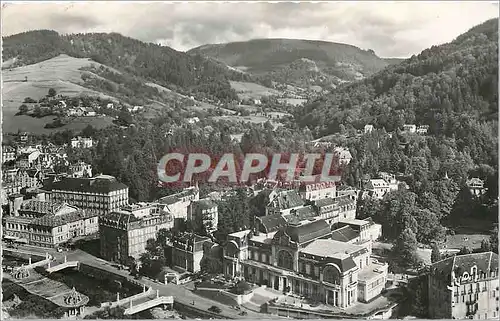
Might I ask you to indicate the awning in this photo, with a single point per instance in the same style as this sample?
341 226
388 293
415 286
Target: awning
9 237
22 241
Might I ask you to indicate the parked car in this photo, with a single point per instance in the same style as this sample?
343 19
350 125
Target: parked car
214 309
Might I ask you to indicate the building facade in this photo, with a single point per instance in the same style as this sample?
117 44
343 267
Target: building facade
317 191
48 224
465 287
82 142
101 195
125 233
204 214
178 204
188 251
303 259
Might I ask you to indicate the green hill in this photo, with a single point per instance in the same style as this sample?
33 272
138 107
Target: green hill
165 66
298 62
451 79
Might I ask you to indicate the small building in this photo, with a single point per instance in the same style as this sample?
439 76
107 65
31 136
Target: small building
193 120
422 129
178 204
343 154
82 142
366 229
410 128
28 159
283 201
378 187
316 191
8 154
476 186
188 250
80 169
368 129
464 287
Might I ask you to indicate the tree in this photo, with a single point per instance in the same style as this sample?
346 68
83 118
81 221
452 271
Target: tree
436 254
23 109
210 265
405 249
494 239
465 250
485 245
52 92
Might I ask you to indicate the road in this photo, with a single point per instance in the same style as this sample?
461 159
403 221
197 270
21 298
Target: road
180 294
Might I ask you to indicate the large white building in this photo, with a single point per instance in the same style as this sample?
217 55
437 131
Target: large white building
303 259
465 287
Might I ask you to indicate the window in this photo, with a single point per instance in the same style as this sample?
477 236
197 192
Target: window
285 260
331 275
308 268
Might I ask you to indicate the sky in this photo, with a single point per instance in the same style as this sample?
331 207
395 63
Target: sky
391 29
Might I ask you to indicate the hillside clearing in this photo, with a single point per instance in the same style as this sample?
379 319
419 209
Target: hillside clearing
250 90
61 73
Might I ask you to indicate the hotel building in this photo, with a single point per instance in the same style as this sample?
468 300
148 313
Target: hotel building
465 287
125 233
101 194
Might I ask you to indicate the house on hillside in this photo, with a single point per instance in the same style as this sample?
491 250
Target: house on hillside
476 186
343 154
422 129
410 128
368 128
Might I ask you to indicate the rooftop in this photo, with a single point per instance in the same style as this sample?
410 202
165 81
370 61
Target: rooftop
331 248
240 234
344 234
271 223
357 222
101 184
59 220
485 261
288 199
307 232
372 271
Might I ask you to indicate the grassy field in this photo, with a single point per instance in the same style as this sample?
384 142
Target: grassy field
250 90
61 73
292 101
248 119
458 241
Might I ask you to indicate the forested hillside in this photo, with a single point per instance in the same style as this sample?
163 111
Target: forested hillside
437 88
159 64
294 61
452 88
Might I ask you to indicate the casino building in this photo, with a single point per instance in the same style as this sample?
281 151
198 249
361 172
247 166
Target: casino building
303 259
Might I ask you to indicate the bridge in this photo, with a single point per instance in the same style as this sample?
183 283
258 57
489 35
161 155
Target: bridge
147 303
62 266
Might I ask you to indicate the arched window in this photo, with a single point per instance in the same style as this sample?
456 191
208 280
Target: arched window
232 250
285 260
331 275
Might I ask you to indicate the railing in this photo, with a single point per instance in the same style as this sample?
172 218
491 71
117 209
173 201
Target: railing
149 304
62 266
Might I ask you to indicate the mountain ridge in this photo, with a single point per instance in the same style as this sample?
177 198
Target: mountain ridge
271 59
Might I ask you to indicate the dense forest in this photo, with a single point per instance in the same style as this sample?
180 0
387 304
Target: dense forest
439 87
160 64
452 88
